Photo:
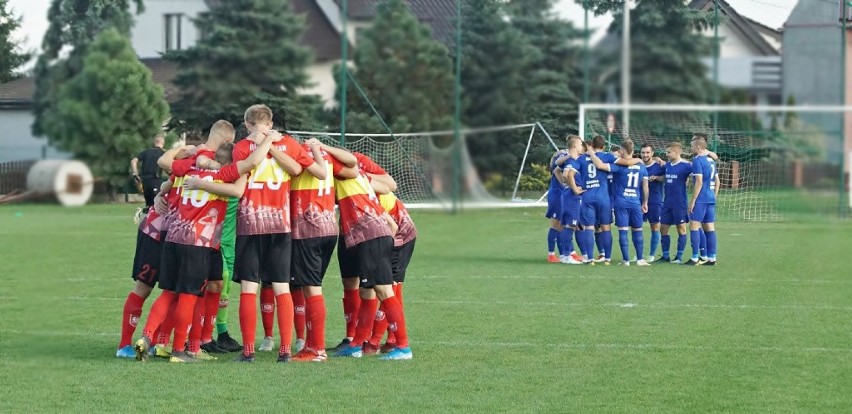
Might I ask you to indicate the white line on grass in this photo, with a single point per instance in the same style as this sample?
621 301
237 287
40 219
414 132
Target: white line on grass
631 305
531 345
639 278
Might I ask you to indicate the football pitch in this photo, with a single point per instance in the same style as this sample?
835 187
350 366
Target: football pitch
494 328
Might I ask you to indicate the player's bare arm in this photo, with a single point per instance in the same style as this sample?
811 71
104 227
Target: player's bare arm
286 162
206 163
391 224
378 186
645 194
235 189
169 157
699 181
626 162
387 180
318 169
345 157
597 161
257 156
569 178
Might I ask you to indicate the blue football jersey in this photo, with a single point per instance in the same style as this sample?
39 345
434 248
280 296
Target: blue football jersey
655 188
575 165
555 184
677 176
627 184
706 168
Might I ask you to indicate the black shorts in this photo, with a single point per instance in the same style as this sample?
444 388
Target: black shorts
400 258
374 259
263 258
310 260
146 262
216 266
185 268
348 261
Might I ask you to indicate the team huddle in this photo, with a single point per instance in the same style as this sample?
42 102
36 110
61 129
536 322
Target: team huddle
589 186
262 213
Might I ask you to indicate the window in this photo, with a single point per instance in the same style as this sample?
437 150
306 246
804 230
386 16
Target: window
173 31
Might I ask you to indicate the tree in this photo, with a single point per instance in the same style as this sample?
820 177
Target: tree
250 53
108 111
406 74
11 54
72 24
666 51
496 58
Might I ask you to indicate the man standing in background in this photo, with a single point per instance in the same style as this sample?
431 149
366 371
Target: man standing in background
150 176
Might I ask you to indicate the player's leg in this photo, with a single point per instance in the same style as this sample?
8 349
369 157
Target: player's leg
247 273
162 306
587 223
277 266
709 227
194 270
695 233
654 213
349 277
209 307
703 255
313 256
636 220
227 246
299 316
666 222
552 215
146 266
603 215
622 222
267 316
570 220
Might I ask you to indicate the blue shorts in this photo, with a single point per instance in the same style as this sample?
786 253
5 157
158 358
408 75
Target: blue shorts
674 215
570 212
654 213
596 213
554 205
704 213
628 217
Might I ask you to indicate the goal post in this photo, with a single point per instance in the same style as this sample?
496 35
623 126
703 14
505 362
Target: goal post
777 162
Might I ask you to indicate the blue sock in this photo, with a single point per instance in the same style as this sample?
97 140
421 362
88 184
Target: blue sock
681 246
667 245
599 242
552 235
638 243
695 241
558 235
578 237
589 236
606 241
711 244
703 243
622 242
567 241
655 241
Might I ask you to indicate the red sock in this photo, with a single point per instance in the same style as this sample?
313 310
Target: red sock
380 325
299 312
267 309
130 318
396 321
315 311
183 318
211 309
366 316
248 321
159 312
351 303
164 333
195 326
284 303
397 291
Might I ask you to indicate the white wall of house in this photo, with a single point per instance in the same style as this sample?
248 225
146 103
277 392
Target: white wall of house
149 34
322 78
17 141
733 45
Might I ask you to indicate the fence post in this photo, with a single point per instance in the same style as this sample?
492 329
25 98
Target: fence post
735 175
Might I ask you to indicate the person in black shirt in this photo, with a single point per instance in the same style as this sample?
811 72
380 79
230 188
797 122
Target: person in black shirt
150 174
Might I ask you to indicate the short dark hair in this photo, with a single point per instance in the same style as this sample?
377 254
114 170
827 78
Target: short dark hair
646 145
598 142
700 135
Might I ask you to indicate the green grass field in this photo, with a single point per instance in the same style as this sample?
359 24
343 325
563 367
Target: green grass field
494 327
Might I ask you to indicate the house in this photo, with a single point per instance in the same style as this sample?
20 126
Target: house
167 24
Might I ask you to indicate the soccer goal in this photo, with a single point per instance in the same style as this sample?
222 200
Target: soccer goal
424 165
776 162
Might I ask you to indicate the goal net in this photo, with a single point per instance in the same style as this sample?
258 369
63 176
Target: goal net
496 166
776 162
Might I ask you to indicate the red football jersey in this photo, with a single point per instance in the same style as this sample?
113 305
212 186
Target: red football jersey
180 168
265 205
312 201
200 214
152 224
360 211
406 232
367 165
